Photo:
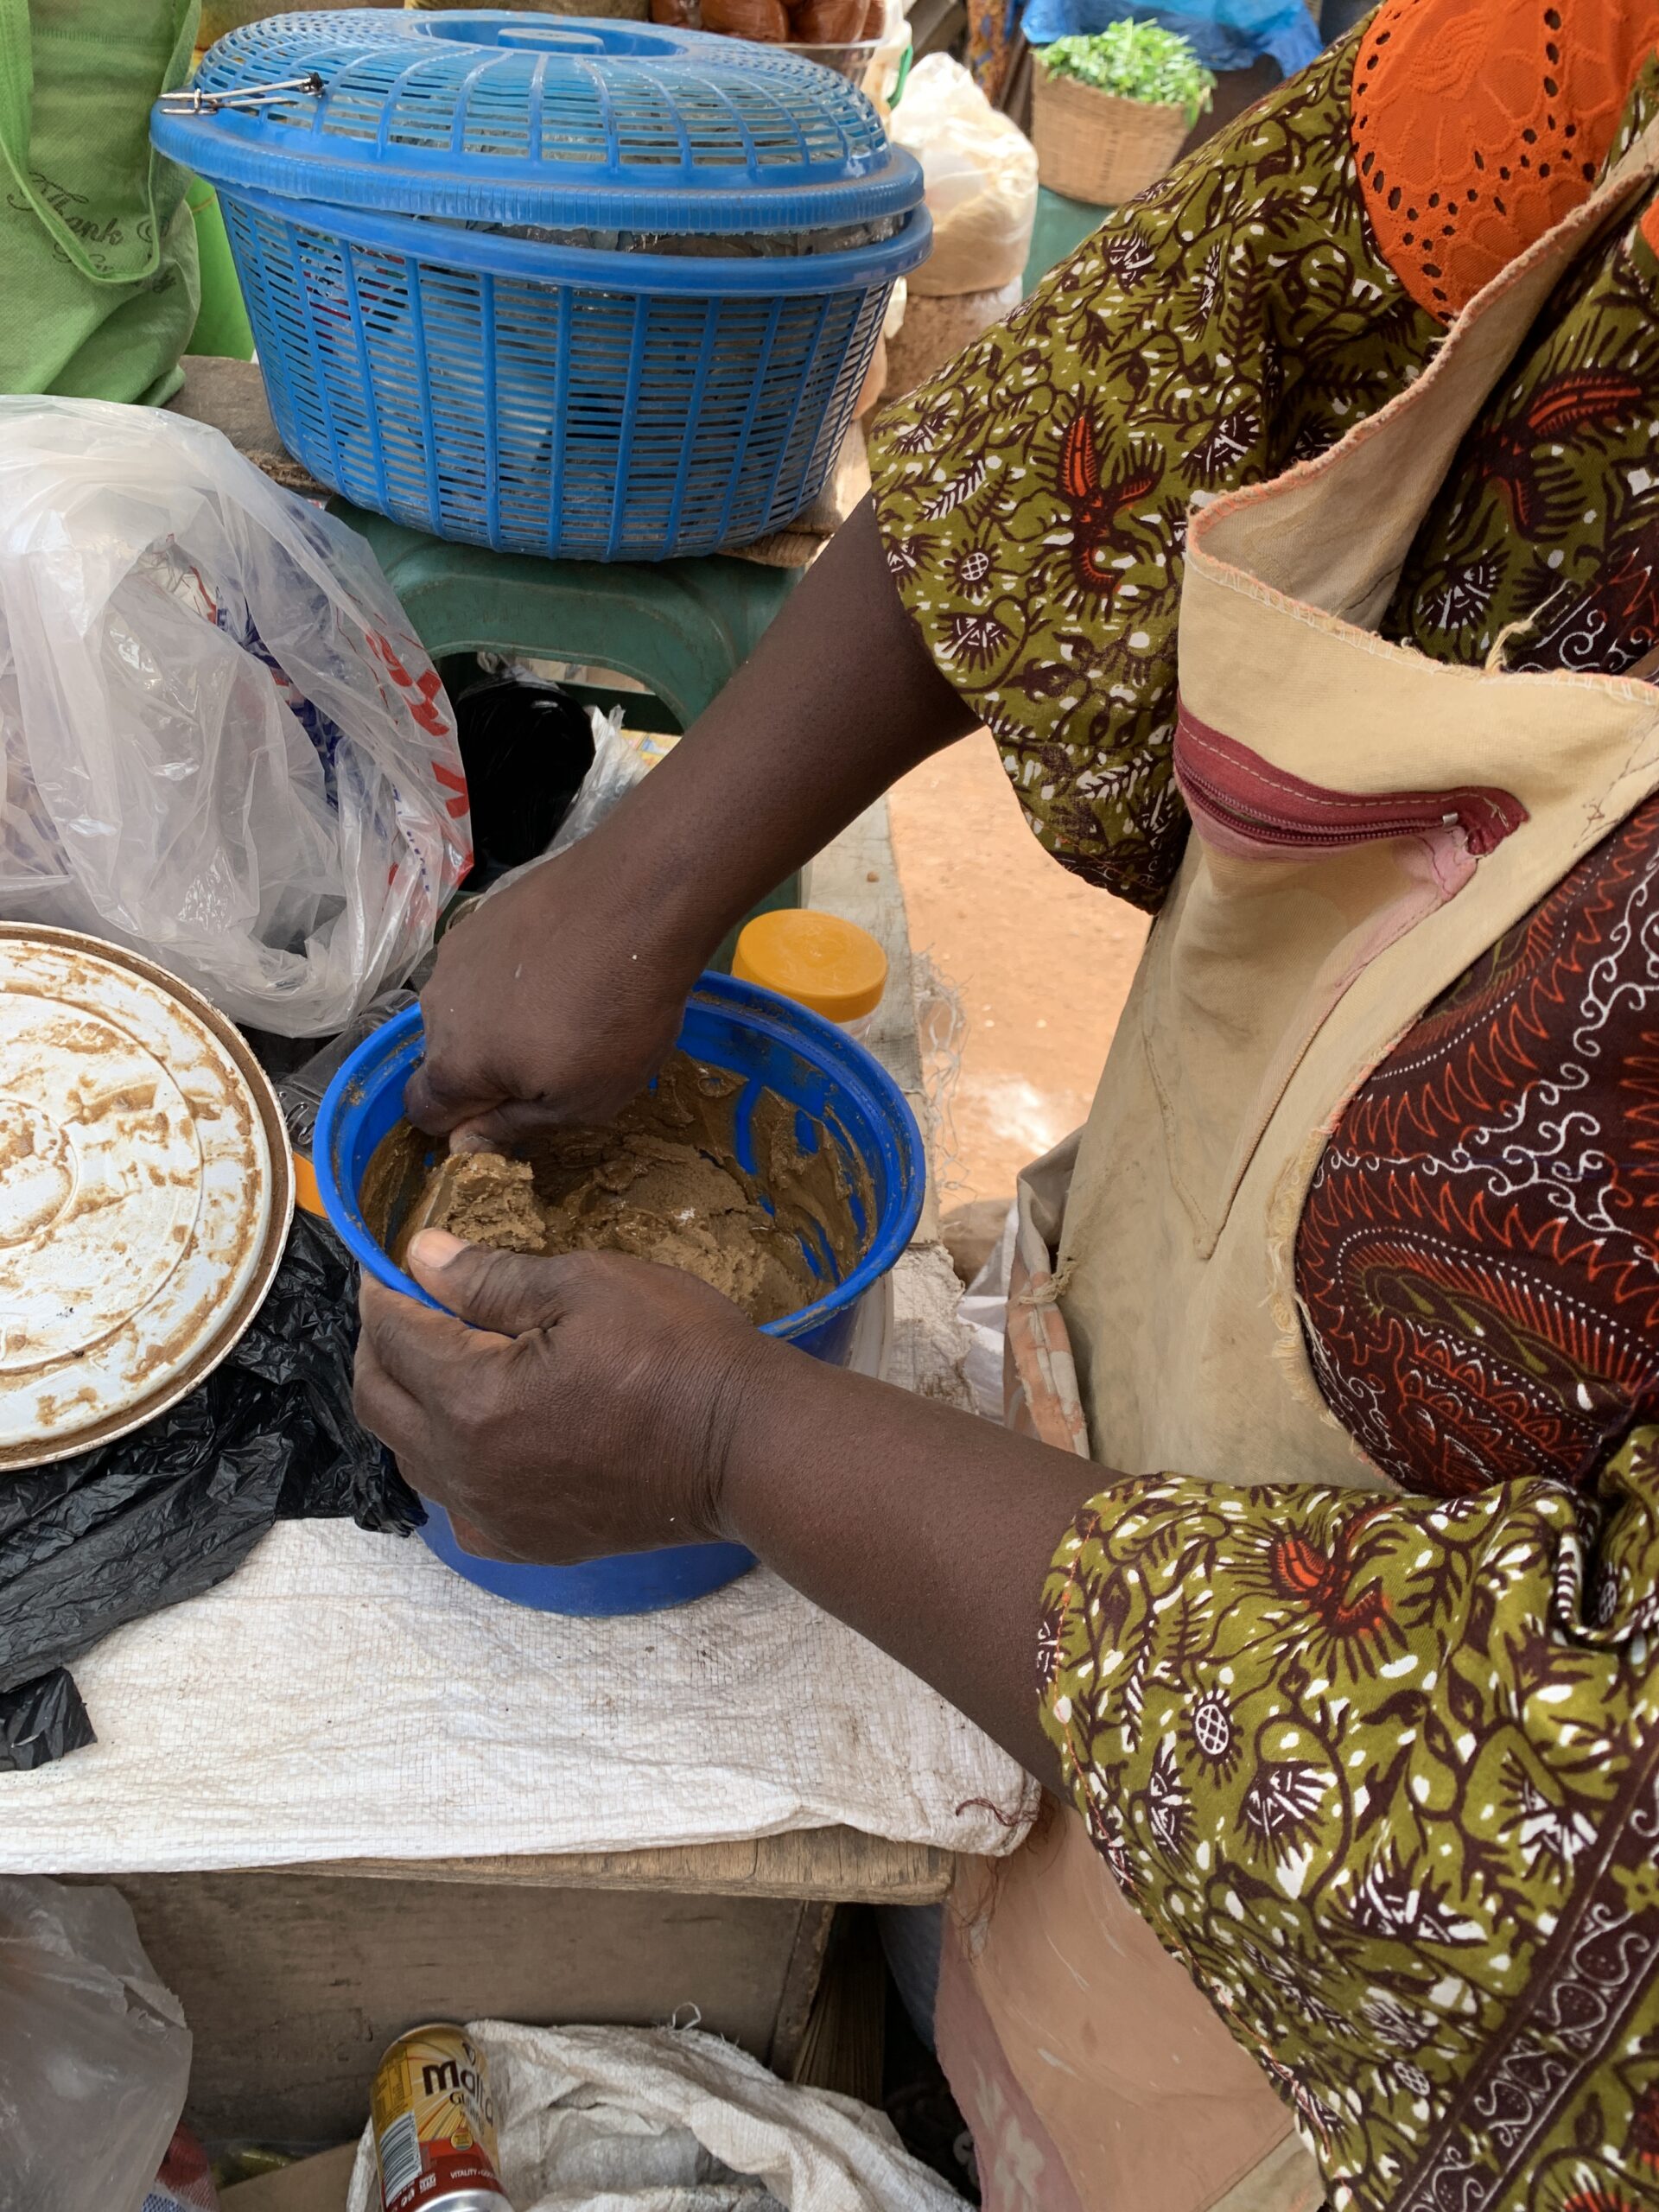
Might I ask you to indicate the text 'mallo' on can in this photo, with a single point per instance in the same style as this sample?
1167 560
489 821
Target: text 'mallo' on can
435 2125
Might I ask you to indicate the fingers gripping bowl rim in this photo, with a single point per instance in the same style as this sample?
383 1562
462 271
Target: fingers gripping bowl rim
774 1045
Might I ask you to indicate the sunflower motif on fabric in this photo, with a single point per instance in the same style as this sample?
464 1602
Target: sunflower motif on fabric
1414 1871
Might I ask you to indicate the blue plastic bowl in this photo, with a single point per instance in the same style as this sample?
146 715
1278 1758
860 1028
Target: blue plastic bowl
775 1046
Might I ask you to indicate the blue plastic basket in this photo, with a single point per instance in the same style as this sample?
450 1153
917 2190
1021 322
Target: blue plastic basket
532 393
775 1046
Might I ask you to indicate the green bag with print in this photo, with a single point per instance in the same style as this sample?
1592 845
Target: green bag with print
99 286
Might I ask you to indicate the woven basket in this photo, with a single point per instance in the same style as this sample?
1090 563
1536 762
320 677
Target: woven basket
1095 147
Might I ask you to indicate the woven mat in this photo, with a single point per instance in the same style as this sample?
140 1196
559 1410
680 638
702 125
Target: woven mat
346 1696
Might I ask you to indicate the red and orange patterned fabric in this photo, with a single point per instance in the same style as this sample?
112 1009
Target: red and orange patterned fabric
1272 291
1477 1255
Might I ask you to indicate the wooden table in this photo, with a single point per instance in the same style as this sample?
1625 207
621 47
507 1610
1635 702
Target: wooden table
294 1980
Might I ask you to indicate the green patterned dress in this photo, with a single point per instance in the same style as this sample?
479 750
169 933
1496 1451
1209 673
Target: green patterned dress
1383 1773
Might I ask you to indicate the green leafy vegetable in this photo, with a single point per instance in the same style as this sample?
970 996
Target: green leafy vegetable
1137 61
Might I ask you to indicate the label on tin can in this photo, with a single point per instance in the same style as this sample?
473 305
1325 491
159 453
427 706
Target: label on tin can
435 2123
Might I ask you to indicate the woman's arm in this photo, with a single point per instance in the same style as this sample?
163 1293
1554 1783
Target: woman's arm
1364 1762
598 1405
561 999
929 1531
1030 504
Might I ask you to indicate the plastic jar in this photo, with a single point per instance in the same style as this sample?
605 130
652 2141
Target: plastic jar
818 960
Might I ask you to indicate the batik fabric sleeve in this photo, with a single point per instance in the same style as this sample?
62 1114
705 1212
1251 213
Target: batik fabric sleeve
1281 285
1384 1775
1033 497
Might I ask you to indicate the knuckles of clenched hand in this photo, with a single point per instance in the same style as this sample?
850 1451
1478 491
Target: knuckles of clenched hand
563 1410
543 1007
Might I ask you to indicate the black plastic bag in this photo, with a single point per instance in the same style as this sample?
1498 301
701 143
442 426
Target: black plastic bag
90 1543
525 746
41 1720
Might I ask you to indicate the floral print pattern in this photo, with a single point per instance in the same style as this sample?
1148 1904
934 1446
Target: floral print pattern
1383 1773
1543 546
1386 1780
1033 497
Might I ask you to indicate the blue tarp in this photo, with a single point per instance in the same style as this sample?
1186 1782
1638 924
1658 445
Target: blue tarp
1227 34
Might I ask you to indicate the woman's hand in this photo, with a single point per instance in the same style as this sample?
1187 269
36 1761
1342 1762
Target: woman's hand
588 1409
600 1404
556 1001
559 1000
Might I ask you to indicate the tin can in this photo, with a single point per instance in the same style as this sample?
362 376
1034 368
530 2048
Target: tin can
434 2125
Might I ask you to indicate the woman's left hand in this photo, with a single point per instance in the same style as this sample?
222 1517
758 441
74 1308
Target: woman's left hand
599 1404
588 1409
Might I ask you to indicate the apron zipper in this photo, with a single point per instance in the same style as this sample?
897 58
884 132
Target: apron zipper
1234 790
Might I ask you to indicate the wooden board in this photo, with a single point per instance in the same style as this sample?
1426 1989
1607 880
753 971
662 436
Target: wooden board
832 1865
294 1983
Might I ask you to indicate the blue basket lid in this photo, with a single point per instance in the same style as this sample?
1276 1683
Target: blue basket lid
538 120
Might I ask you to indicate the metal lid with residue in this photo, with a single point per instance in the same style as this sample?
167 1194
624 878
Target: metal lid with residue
145 1191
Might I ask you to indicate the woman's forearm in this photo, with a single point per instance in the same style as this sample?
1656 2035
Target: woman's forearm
559 1000
927 1530
838 701
568 1409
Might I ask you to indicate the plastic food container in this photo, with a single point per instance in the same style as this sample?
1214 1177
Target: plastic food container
554 285
864 61
775 1046
818 960
145 1192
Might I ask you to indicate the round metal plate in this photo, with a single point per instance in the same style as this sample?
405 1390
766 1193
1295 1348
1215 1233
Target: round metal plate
146 1189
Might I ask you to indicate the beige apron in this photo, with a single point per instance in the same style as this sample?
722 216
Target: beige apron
1367 823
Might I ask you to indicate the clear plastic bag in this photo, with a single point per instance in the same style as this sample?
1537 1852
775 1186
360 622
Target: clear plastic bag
94 2054
981 180
219 744
621 758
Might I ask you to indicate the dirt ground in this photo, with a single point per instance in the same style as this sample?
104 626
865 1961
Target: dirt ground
1042 963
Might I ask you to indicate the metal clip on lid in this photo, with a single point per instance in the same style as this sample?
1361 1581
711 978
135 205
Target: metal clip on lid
191 101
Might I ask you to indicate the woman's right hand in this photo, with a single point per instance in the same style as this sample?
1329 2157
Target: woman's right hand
557 1000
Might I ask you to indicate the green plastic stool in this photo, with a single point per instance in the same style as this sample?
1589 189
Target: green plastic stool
681 629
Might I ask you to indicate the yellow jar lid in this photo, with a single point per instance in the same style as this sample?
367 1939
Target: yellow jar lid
818 960
307 1193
